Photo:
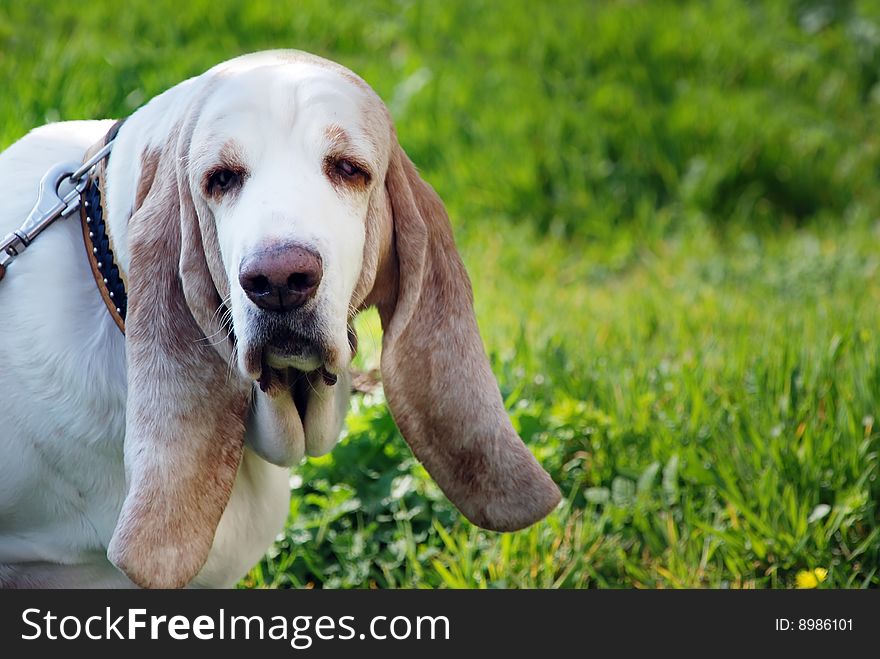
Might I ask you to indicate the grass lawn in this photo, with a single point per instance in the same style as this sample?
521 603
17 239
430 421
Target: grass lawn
669 211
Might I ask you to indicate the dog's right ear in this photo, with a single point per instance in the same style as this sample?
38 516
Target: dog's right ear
184 416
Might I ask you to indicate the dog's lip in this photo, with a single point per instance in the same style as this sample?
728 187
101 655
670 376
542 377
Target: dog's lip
280 366
288 350
305 360
291 350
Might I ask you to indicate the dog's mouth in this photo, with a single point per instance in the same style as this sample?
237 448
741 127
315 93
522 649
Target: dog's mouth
288 363
274 373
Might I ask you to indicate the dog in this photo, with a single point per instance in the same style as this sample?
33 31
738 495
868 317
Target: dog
253 211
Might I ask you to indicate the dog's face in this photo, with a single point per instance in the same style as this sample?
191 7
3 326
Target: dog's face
286 159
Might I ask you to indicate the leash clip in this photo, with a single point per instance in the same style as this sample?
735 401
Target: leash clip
56 199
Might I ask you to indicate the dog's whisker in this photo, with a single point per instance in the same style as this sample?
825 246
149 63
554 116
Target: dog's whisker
222 339
230 361
223 322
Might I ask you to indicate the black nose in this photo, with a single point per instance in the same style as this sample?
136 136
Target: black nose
281 278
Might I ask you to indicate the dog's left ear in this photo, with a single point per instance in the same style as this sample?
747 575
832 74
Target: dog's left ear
185 414
436 376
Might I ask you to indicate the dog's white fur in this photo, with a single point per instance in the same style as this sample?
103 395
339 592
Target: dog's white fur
63 380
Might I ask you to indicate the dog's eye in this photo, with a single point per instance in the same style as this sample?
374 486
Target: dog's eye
348 170
222 180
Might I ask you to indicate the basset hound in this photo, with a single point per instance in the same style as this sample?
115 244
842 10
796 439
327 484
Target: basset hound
253 211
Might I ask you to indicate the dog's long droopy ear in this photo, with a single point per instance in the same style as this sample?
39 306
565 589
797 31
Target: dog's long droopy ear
184 415
436 376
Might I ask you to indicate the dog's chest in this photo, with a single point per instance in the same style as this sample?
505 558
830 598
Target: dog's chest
63 390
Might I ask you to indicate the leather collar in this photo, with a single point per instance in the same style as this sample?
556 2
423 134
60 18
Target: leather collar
96 236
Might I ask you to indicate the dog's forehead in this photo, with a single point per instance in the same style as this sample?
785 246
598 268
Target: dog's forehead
296 92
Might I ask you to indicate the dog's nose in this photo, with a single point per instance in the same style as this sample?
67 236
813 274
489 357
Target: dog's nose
282 278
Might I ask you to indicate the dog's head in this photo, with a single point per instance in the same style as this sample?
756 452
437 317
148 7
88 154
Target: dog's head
281 206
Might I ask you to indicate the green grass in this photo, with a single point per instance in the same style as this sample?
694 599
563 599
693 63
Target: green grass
669 213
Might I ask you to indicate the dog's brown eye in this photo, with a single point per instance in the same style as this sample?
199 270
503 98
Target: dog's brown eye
222 180
348 170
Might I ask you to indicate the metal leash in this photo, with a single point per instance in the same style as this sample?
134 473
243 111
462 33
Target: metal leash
51 204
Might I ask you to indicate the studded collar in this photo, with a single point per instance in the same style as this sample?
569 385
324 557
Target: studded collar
99 245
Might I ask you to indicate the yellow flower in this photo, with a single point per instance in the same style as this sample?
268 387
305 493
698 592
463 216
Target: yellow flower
811 578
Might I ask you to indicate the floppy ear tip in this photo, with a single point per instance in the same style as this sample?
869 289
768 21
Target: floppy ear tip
522 505
160 567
